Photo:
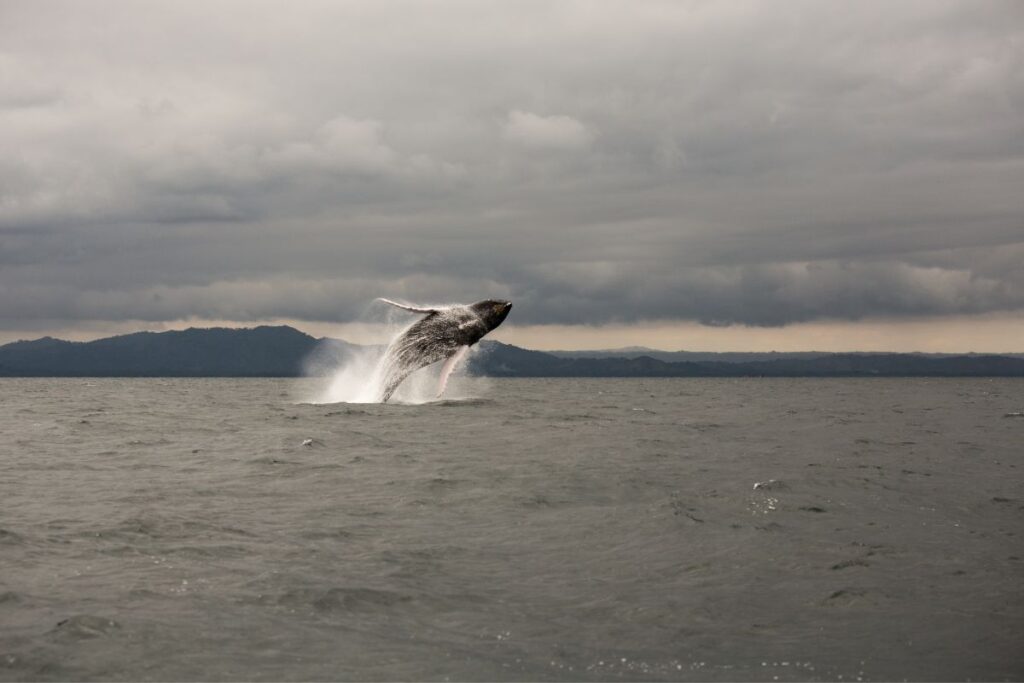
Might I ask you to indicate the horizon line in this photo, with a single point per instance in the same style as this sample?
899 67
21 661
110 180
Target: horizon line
627 349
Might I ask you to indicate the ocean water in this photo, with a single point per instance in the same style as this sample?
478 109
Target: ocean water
663 529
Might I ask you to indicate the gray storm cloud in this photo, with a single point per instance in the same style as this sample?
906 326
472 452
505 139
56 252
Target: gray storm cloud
728 162
546 132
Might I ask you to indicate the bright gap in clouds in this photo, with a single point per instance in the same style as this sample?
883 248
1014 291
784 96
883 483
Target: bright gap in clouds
978 334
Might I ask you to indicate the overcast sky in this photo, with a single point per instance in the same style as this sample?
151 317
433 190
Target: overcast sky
756 173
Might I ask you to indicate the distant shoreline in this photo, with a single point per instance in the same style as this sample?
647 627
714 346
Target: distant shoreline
286 352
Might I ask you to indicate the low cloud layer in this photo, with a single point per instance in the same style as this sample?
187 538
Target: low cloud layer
546 132
728 162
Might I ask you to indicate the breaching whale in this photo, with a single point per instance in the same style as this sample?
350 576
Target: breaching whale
444 333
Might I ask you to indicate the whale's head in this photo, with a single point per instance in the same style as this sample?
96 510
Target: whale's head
492 311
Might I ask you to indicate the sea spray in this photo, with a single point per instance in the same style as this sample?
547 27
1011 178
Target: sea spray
354 374
441 334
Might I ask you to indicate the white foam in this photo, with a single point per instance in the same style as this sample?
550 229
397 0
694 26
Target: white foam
356 377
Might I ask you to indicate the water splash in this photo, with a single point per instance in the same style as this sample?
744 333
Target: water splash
356 375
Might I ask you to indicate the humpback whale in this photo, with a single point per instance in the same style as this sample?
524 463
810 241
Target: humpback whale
444 333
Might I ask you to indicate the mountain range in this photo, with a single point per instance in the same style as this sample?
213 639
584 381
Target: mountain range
286 352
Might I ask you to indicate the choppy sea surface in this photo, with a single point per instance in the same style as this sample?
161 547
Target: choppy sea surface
664 529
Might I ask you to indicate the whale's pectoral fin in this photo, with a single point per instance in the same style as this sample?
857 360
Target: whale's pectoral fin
407 307
449 367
